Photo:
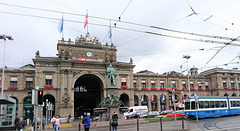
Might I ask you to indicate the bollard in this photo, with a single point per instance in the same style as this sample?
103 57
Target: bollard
79 127
161 123
109 125
137 125
182 123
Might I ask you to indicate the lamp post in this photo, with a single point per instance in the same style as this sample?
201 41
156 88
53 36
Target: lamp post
188 57
4 37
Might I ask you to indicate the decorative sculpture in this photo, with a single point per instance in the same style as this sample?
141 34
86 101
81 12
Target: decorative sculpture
111 75
111 99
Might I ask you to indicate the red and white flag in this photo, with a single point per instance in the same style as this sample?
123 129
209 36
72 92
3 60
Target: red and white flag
86 20
152 98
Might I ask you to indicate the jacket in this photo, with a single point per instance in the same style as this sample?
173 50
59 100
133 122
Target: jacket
87 122
114 120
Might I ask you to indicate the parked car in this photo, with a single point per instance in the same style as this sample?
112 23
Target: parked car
134 115
141 114
178 114
151 114
166 112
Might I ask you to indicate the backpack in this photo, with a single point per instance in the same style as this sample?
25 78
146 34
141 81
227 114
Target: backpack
84 121
19 125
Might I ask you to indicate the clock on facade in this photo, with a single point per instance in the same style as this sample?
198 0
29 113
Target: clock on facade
89 54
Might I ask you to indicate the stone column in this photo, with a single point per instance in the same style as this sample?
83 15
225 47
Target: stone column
149 104
158 104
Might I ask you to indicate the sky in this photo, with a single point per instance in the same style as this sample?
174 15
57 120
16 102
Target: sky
134 36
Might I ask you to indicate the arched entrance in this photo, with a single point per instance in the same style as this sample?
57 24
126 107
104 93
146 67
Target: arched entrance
144 100
51 100
154 102
135 100
125 99
163 102
87 94
28 108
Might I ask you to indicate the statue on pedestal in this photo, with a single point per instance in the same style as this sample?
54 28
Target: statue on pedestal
111 75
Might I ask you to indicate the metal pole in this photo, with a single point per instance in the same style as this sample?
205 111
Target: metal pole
46 112
161 123
79 127
36 110
182 123
196 106
41 117
237 85
137 125
189 94
174 105
3 65
109 125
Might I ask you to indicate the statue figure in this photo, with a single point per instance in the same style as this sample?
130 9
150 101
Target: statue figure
115 100
111 75
70 53
37 54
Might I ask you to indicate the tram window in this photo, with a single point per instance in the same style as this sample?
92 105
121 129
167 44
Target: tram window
201 105
225 104
234 104
238 104
192 105
187 105
212 104
221 104
231 103
217 104
206 104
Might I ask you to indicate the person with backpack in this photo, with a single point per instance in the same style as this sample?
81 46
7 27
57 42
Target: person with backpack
19 126
114 121
86 122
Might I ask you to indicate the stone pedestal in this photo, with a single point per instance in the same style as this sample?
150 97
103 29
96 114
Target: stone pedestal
112 109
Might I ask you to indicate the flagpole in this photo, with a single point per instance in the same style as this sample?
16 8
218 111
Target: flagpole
110 33
87 21
62 25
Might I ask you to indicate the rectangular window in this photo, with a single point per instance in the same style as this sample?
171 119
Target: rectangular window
48 80
232 84
13 82
212 104
237 103
144 84
161 85
134 83
192 105
183 85
0 81
191 85
206 85
173 84
221 104
206 104
224 84
201 105
124 81
234 104
217 104
29 82
153 84
199 85
187 105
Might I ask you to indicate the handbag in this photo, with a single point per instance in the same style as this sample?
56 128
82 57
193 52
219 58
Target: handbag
54 122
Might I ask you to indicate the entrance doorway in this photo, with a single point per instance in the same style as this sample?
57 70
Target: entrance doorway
51 100
87 94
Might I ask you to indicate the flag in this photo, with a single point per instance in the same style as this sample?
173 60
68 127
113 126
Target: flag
142 97
110 35
162 98
60 26
152 98
86 20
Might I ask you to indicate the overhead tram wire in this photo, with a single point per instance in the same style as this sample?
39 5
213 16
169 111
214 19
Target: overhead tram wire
147 32
155 27
118 19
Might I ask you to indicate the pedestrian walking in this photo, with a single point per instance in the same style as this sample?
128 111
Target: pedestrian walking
16 120
19 126
56 123
86 122
53 119
43 122
114 121
69 118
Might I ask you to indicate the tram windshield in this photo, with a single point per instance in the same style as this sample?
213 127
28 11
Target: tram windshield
187 105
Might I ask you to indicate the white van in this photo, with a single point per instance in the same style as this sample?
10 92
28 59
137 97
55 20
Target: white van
136 109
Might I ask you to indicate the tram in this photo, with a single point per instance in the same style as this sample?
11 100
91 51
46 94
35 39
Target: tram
212 106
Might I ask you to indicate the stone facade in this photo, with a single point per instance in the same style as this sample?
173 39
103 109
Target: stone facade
87 58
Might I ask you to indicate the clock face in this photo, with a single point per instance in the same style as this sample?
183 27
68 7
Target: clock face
89 54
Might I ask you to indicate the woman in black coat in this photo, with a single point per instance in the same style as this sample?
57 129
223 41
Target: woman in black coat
114 121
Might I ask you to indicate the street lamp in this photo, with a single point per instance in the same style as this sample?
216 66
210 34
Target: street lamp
188 57
4 37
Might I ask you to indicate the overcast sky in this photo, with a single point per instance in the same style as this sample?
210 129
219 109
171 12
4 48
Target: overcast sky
149 51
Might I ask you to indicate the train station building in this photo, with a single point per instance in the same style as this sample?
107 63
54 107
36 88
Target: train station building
75 81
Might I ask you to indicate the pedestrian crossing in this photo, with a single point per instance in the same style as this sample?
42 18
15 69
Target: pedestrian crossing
51 127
